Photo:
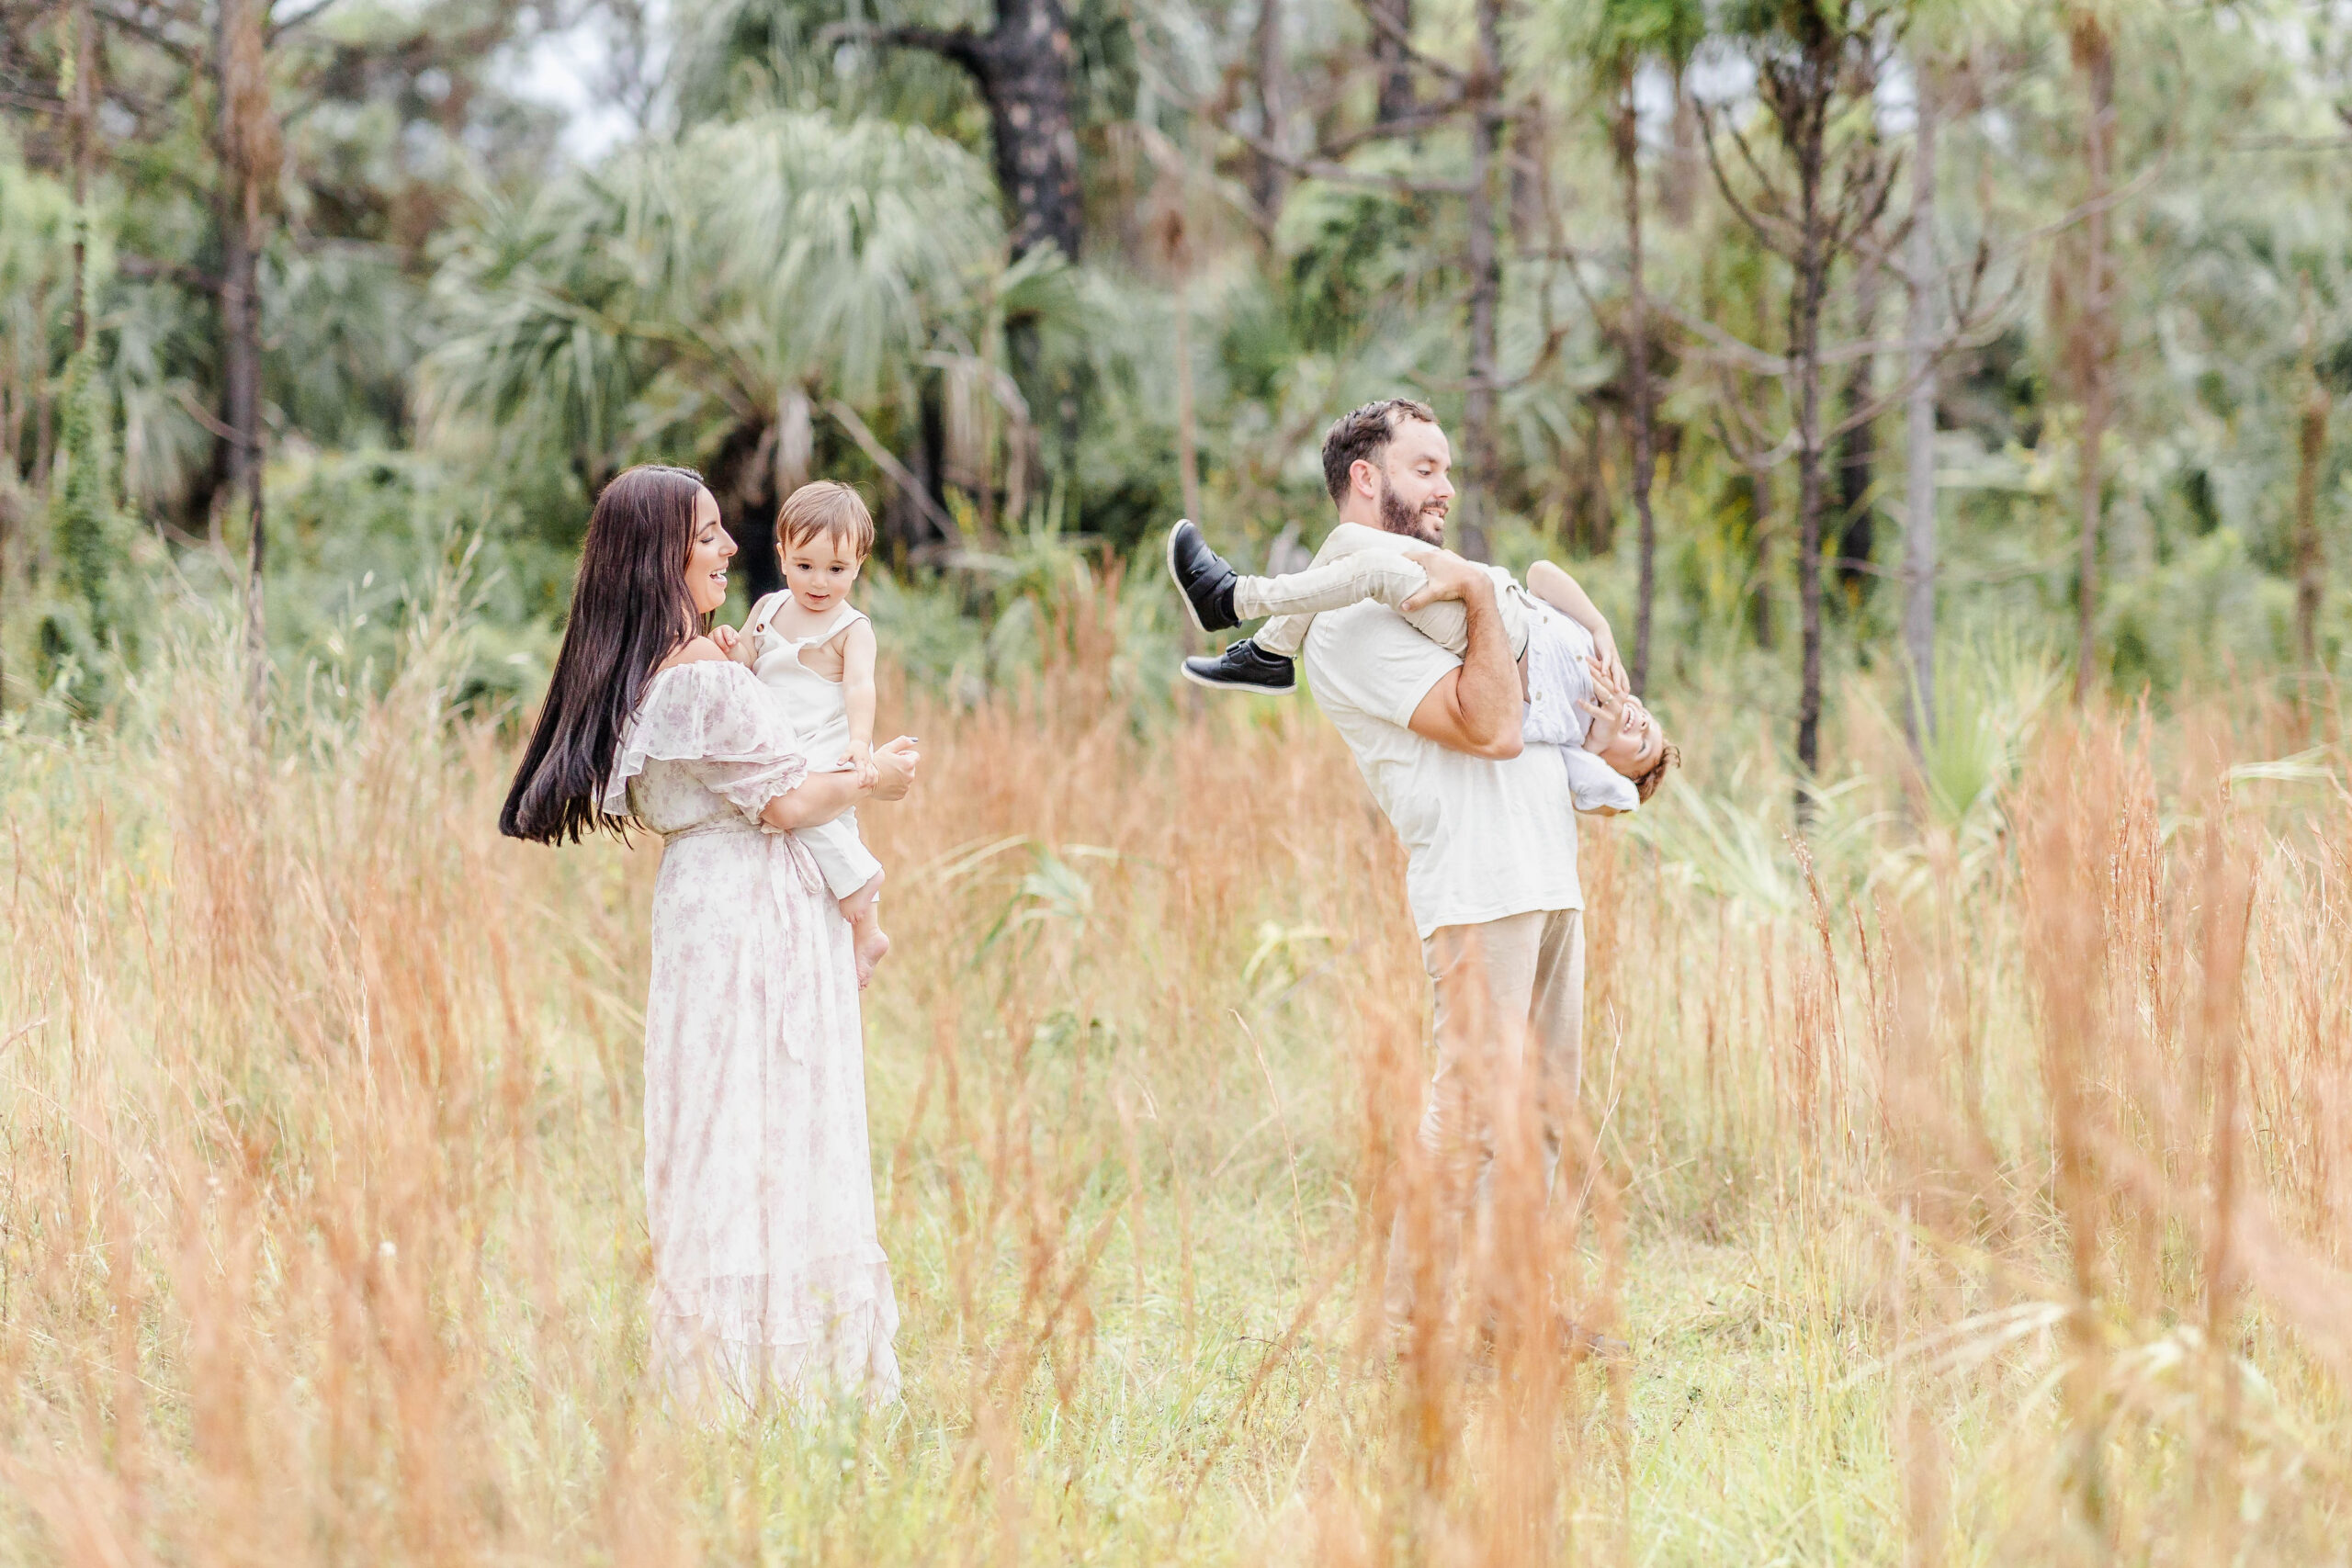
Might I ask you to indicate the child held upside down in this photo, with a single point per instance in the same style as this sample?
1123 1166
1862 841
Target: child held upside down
1576 696
814 649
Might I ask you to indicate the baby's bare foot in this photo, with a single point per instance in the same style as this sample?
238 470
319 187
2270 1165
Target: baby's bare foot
873 946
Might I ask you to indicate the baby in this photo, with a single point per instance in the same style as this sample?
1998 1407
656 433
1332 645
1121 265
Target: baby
1577 697
814 650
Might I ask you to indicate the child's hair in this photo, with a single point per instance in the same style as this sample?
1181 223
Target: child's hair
828 507
1646 786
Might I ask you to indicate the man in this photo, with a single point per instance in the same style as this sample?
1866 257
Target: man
1491 873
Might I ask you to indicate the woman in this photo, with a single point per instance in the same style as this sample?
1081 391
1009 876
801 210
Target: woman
767 1279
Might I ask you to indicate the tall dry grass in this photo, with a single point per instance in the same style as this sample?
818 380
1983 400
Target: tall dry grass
1968 1193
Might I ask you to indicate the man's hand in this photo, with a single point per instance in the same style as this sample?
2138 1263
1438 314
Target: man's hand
894 765
1450 577
1475 709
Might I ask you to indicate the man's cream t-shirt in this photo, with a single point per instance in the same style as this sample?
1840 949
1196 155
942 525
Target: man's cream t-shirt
1486 840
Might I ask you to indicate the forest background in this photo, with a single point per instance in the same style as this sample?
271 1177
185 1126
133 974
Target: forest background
1940 397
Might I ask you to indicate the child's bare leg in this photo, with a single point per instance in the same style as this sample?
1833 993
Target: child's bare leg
863 910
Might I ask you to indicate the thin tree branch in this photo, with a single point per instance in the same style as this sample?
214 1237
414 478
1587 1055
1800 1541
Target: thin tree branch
1387 26
1740 210
186 53
317 8
1339 174
177 272
909 486
961 45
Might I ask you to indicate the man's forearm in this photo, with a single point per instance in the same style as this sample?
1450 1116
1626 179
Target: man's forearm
1489 692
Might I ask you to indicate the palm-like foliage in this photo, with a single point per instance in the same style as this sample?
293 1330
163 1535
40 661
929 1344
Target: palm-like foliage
691 289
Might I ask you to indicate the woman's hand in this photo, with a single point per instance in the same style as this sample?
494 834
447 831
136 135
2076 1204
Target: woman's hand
894 766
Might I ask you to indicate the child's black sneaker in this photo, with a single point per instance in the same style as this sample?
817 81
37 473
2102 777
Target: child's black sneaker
1244 667
1202 577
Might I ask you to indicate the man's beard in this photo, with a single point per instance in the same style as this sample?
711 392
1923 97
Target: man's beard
1395 517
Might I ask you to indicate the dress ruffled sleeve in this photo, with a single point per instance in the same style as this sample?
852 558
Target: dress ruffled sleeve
716 717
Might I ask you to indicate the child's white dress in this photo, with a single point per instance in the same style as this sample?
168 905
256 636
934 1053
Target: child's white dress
819 709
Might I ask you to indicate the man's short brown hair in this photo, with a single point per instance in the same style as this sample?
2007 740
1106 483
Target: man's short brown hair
1362 435
825 506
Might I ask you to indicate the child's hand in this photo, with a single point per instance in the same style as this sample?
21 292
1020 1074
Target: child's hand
729 641
1604 650
1607 709
860 758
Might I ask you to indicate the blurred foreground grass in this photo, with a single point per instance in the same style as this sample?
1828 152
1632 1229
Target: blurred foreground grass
1974 1184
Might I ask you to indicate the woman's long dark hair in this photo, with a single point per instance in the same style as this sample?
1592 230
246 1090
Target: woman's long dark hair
630 610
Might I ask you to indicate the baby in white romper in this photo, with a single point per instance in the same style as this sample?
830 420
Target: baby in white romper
814 650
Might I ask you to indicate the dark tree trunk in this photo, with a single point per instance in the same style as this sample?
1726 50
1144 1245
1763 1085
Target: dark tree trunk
1626 138
1919 425
1802 93
1485 263
933 415
1022 68
86 68
742 475
1858 455
2094 56
1269 181
2310 561
1392 25
248 151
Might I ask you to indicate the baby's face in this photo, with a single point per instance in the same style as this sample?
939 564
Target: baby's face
1639 742
818 570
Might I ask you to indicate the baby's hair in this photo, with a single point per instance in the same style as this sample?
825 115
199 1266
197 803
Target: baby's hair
827 507
1646 786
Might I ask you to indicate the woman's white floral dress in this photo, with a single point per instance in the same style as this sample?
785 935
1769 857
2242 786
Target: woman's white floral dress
768 1282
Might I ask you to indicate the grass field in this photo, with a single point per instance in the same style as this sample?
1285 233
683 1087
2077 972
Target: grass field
1974 1186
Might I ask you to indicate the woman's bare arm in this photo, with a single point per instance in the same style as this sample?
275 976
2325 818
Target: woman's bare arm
821 798
857 696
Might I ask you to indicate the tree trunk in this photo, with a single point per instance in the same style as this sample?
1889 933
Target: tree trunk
1919 430
1678 193
1858 455
1022 68
2310 565
1392 25
1805 128
249 150
1269 181
2094 56
1188 462
1486 291
85 70
1637 375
